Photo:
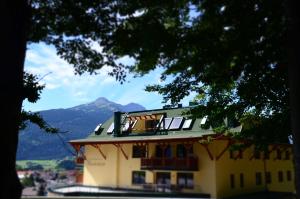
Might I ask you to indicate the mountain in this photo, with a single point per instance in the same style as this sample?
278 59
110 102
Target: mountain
78 122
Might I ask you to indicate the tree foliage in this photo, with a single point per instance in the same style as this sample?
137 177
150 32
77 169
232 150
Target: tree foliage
66 165
28 181
31 91
231 53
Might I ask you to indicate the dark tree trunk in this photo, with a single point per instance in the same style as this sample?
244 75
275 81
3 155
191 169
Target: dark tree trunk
294 82
13 17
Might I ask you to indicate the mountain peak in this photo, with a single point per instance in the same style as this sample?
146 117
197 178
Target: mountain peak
101 100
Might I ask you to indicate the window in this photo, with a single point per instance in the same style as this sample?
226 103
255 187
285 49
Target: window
176 123
98 130
187 124
158 151
163 151
185 180
278 154
166 123
139 151
280 176
268 178
258 178
182 151
287 155
204 119
110 129
138 177
288 175
232 185
241 180
150 124
97 127
168 151
163 178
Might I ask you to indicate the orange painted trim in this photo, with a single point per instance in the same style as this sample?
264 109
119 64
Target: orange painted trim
224 150
122 150
99 149
208 151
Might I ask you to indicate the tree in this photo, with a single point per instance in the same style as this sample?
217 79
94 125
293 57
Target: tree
231 53
234 54
34 166
28 181
32 91
66 165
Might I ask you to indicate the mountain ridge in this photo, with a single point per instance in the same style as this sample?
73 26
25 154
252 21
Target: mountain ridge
79 121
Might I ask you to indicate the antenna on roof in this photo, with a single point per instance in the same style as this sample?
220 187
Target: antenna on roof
167 106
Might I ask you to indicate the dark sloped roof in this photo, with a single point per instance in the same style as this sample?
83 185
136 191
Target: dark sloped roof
195 132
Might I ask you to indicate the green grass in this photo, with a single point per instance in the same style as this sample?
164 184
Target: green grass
47 164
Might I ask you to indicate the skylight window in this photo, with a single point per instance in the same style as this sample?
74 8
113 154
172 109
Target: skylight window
176 123
98 130
204 119
187 124
97 127
166 123
111 128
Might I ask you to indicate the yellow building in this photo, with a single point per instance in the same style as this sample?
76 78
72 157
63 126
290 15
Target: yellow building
164 151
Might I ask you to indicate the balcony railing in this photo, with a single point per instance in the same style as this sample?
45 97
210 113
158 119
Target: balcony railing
188 163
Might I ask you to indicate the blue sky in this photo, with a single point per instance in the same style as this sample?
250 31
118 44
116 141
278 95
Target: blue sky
64 89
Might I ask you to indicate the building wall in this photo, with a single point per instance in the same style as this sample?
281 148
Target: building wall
206 176
248 166
213 176
274 166
97 170
116 170
126 166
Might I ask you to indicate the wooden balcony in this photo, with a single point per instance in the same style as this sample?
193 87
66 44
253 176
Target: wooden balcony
184 164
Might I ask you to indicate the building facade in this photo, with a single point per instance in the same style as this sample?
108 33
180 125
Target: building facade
166 151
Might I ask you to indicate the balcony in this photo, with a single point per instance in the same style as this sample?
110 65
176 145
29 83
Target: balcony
184 164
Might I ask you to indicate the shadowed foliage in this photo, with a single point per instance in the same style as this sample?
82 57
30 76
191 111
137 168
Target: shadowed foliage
231 53
31 91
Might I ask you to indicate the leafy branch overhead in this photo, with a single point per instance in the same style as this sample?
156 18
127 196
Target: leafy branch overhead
232 53
31 87
235 63
31 91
